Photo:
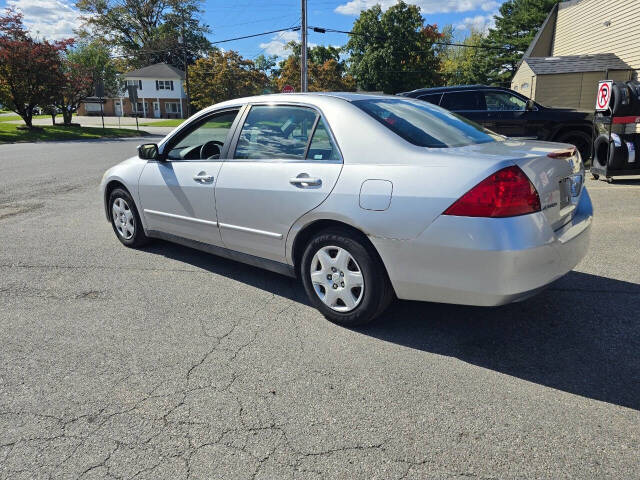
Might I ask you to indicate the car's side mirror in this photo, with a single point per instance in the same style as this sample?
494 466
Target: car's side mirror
531 105
148 151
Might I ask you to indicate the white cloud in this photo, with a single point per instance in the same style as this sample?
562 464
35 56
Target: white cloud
278 43
50 19
489 6
481 23
354 7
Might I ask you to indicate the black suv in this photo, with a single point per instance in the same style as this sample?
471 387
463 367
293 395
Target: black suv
513 115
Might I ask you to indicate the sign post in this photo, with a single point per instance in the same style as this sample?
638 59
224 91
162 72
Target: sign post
133 98
100 95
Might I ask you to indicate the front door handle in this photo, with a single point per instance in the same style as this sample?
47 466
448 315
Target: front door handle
203 177
304 180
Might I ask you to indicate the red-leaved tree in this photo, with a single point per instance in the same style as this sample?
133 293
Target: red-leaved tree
30 70
75 83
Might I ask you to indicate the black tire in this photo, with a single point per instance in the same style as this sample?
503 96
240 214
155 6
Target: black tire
606 154
580 140
620 99
377 292
138 238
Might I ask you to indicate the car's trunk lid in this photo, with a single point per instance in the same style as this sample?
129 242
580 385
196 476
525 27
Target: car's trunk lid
556 171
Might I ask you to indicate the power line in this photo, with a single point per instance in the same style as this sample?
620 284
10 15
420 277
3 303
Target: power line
293 29
451 44
279 37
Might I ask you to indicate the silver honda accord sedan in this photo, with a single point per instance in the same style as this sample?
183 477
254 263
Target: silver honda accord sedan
363 197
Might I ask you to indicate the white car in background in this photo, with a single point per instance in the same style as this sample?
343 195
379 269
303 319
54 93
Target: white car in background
363 197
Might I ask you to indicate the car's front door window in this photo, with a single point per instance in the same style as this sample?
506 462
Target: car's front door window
275 132
504 102
205 142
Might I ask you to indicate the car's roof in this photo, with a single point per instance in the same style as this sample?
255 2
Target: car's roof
452 88
310 97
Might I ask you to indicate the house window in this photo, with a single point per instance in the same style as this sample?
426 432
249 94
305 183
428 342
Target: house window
164 84
172 107
515 87
137 83
525 86
139 108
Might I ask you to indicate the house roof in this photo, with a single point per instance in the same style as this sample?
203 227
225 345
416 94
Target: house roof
549 22
576 63
158 71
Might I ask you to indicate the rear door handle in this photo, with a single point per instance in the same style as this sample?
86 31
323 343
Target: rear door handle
305 181
203 177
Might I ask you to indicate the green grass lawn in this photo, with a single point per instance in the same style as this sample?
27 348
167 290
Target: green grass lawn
9 133
170 122
13 118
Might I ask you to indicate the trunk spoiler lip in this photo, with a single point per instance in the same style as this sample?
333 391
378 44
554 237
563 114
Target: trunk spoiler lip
564 153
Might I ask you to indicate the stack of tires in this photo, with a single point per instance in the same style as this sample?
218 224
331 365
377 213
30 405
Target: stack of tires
620 151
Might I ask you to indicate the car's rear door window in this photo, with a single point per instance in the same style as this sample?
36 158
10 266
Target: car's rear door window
275 132
321 146
424 124
432 98
465 101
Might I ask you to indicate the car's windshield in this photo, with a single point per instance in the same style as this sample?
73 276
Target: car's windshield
424 124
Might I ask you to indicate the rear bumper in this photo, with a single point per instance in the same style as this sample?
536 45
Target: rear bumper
484 261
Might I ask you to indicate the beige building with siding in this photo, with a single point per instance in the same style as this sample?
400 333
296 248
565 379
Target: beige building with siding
580 43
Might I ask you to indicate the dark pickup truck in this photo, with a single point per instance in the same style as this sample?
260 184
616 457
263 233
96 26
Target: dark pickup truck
513 115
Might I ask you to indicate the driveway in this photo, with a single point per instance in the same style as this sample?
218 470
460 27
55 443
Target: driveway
168 363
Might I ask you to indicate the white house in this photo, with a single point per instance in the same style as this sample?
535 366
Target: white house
160 95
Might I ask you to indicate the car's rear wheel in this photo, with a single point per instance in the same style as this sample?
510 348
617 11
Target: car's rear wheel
344 278
125 219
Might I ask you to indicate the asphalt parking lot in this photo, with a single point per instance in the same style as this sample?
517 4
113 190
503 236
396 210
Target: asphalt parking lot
168 363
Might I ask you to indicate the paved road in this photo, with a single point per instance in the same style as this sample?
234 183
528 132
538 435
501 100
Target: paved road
167 363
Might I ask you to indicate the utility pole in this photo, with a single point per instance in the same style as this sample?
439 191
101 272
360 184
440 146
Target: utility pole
303 52
183 40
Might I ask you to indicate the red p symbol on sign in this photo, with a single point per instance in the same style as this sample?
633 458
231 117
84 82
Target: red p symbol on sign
604 95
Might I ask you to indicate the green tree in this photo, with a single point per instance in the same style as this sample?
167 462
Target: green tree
516 25
466 65
266 64
95 57
147 31
327 71
393 51
223 76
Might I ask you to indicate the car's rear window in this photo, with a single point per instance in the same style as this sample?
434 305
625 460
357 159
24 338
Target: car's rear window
424 124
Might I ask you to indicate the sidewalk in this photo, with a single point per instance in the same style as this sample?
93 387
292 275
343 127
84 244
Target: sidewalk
118 122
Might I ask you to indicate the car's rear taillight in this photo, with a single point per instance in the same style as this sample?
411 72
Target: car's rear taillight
506 193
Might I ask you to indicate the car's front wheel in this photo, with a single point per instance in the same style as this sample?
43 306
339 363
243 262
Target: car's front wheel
125 219
344 278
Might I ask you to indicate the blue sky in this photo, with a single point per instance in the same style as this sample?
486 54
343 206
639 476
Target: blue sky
227 19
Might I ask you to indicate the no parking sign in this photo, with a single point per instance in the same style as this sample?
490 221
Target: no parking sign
604 95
